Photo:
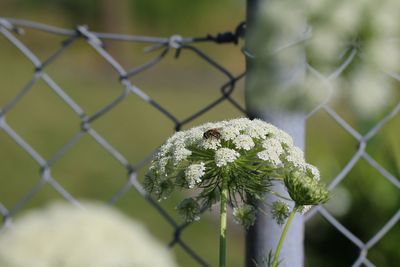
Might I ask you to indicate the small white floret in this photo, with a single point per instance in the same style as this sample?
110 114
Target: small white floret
296 157
229 132
243 141
180 153
210 143
193 174
270 156
273 144
223 156
257 130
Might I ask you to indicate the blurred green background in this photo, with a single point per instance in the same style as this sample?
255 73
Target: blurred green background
363 202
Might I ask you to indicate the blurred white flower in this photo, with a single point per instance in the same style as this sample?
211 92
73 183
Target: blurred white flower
367 31
340 203
326 45
383 54
345 16
63 235
370 92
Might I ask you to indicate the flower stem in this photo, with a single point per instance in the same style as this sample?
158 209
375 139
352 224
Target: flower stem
283 235
222 237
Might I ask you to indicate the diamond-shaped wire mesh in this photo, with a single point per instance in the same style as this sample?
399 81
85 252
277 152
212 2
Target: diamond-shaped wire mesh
11 28
359 153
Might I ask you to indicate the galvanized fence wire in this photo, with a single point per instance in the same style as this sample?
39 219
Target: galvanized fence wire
10 28
360 153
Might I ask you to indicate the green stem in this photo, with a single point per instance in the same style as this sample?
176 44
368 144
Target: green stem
283 235
222 237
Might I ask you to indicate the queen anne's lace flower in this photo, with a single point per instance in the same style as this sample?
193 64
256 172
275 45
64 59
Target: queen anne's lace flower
180 153
273 144
271 157
193 174
230 132
256 130
69 236
210 143
296 157
223 156
243 142
248 152
272 151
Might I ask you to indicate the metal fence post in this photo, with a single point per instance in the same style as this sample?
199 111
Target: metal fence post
263 236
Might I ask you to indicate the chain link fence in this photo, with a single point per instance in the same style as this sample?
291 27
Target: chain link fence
12 29
360 153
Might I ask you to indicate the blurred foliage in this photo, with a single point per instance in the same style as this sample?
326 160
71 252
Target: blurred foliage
172 13
156 14
74 9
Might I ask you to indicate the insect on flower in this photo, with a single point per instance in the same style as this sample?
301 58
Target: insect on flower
212 133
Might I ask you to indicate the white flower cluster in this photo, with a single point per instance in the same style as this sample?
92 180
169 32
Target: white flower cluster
195 153
247 153
296 157
243 141
224 155
193 174
68 236
272 151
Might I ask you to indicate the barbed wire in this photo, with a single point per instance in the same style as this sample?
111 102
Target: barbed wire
11 28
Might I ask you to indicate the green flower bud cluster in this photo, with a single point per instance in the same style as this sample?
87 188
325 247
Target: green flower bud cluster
189 209
245 215
280 211
304 190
